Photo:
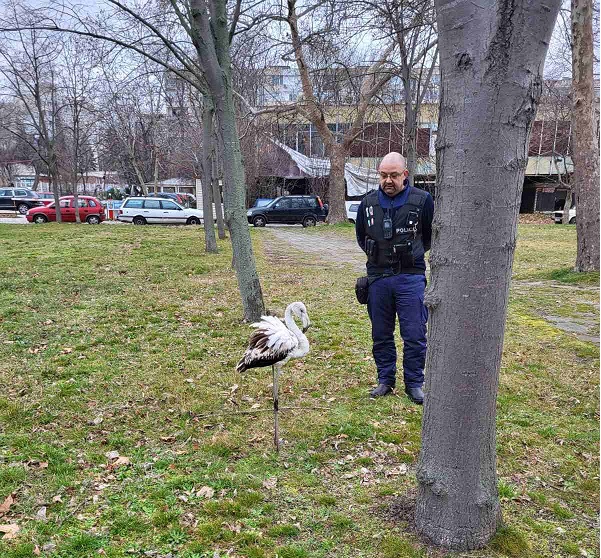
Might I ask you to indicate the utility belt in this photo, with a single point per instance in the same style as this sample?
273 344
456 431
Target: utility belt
398 256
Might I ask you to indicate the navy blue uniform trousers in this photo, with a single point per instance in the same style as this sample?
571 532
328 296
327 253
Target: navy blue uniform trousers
399 295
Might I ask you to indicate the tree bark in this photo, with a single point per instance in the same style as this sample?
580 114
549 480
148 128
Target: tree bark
336 188
565 219
586 142
492 57
217 193
207 155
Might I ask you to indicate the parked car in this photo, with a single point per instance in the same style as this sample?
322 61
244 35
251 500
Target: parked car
182 199
19 199
90 211
157 210
46 197
262 202
351 210
558 216
306 210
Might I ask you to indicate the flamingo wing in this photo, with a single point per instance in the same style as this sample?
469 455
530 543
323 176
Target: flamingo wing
271 342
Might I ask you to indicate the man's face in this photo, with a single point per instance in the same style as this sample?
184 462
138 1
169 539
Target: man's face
392 176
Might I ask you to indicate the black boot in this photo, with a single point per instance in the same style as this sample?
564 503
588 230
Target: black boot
381 391
415 394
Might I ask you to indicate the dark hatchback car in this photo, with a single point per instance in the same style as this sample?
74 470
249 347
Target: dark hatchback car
290 210
19 199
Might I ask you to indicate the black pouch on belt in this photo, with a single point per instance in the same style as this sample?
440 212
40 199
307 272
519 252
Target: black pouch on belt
362 289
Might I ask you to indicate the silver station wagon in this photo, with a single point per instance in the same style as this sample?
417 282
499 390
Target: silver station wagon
157 211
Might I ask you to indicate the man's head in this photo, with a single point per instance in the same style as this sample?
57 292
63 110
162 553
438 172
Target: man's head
393 171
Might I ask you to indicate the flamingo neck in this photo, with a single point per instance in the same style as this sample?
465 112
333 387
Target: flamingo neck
303 342
291 324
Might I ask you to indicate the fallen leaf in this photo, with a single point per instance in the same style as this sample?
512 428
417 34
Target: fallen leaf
168 438
43 465
10 531
37 551
121 461
270 483
400 470
206 492
58 499
66 350
5 506
41 515
112 454
255 406
234 388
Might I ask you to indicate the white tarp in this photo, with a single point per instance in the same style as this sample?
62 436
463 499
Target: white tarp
359 180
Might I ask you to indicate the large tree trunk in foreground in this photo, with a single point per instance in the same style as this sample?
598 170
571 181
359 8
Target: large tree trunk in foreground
586 143
492 55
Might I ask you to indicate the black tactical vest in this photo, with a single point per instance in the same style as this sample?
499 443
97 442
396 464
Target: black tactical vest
400 251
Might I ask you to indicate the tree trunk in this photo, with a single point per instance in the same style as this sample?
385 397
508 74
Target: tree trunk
409 146
207 150
234 193
217 194
565 219
156 171
492 56
336 188
586 143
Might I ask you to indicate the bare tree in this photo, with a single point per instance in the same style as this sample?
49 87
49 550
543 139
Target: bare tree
27 62
411 23
372 81
492 56
586 136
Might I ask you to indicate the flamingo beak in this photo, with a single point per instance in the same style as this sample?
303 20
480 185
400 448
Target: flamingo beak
306 326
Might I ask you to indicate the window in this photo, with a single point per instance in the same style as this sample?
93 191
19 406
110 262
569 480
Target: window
21 193
65 203
6 193
82 203
169 205
152 204
91 203
134 203
311 202
283 204
277 80
298 203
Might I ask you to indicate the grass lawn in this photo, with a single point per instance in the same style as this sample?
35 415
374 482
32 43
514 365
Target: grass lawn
125 431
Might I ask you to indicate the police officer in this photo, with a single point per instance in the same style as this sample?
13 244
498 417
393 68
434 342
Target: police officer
394 229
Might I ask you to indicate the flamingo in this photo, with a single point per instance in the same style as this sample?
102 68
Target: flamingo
274 342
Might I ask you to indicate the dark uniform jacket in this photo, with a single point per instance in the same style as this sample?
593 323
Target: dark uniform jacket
409 219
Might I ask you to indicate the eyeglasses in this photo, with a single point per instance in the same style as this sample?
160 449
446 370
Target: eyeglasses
392 175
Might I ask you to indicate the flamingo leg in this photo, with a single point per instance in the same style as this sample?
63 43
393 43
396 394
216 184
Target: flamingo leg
276 424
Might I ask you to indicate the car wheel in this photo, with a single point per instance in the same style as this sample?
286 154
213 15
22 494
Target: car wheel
139 220
573 221
193 221
93 220
309 222
40 219
259 221
22 208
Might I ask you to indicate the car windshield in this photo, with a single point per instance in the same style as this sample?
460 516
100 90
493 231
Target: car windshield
273 202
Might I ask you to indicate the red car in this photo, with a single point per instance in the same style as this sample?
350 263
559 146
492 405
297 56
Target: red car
90 211
46 197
